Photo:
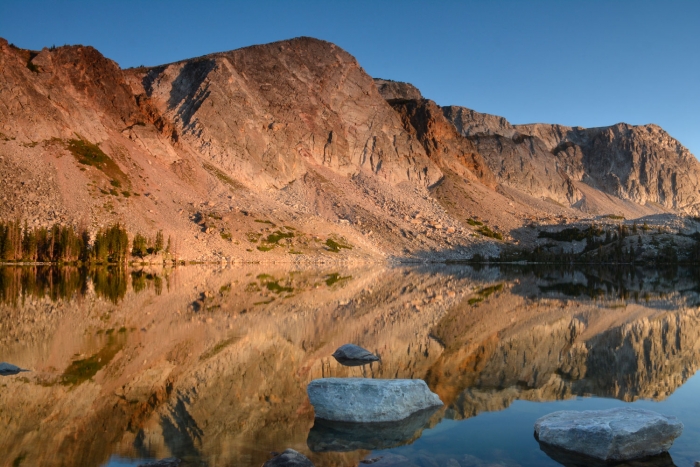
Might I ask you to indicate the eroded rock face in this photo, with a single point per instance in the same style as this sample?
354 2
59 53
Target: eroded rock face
287 103
643 164
611 435
362 400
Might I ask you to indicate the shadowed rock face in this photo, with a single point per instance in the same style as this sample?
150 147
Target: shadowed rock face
424 119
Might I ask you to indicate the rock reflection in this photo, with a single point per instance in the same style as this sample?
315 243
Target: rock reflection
210 364
572 459
329 436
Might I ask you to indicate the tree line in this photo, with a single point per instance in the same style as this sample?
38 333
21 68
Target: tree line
65 244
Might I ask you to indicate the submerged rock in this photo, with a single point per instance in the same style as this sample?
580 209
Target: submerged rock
609 435
364 400
167 462
289 458
8 369
354 355
330 436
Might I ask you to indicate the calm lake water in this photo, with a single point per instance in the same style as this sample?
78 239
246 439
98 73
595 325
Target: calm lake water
210 364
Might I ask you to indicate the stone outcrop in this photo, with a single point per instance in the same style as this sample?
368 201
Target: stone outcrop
390 90
362 400
643 163
610 435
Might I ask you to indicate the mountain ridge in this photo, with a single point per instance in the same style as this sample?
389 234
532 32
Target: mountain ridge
227 150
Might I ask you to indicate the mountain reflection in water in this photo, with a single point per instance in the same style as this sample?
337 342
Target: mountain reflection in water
210 364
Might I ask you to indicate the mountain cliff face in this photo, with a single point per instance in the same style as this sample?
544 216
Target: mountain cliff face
219 151
642 164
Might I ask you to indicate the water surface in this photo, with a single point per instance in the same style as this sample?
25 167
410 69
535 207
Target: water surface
210 364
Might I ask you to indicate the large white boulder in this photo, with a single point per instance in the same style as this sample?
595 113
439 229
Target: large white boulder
611 435
363 400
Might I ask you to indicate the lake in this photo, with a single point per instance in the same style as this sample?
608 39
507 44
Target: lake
210 364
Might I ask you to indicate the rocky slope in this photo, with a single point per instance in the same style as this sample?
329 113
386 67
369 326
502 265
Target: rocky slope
278 152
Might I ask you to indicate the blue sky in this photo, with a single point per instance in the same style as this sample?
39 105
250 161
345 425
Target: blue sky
587 63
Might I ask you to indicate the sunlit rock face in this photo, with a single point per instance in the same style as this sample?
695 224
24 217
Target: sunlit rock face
213 363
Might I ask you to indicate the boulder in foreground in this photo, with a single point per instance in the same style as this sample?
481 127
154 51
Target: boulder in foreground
364 400
609 435
354 355
289 458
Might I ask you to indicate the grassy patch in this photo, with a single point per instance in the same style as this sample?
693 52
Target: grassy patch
82 370
265 247
335 278
487 232
226 236
474 223
221 175
90 154
217 348
615 217
264 221
277 235
335 246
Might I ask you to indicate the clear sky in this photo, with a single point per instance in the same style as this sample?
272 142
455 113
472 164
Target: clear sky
587 63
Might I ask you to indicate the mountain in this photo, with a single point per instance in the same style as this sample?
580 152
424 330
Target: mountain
290 151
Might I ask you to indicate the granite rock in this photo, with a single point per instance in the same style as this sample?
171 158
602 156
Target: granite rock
363 400
610 435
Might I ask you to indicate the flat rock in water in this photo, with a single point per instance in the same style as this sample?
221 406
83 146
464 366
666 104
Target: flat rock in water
362 400
354 355
289 458
8 369
609 435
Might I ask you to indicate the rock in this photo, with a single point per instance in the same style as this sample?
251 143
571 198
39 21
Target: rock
610 435
573 459
393 460
289 458
354 355
331 436
364 400
8 369
167 462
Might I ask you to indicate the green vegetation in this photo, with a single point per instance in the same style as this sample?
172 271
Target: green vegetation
487 232
90 154
335 278
336 245
85 369
142 246
485 293
264 221
473 222
615 217
217 348
573 234
222 176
